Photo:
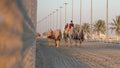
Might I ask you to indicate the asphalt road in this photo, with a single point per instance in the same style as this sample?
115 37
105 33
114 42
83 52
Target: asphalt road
90 55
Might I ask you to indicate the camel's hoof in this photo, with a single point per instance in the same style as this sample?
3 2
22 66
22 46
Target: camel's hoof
75 45
79 46
70 46
57 46
66 45
49 45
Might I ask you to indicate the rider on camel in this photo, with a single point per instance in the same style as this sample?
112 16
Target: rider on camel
66 26
71 24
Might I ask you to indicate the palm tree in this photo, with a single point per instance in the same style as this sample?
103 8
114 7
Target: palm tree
77 27
86 29
116 26
99 27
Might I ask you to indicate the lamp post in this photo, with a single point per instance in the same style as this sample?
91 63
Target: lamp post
91 20
57 19
80 14
50 20
45 23
72 9
106 19
53 19
60 16
65 11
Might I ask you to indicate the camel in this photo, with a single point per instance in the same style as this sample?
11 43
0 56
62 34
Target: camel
56 36
73 35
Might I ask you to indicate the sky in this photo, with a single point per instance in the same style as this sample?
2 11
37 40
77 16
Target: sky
45 7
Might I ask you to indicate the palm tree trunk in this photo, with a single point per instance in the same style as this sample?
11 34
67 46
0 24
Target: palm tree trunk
98 34
117 37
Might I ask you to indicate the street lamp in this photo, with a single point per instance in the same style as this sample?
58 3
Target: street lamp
50 20
65 11
53 19
60 16
80 13
72 9
106 19
57 18
91 19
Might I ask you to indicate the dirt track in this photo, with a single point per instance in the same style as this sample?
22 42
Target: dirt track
91 55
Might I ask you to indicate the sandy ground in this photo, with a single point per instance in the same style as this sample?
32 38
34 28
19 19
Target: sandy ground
91 55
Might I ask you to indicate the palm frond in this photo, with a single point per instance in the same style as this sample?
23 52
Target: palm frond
115 25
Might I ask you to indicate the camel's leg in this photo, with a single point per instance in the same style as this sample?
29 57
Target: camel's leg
65 42
75 43
70 43
80 45
57 43
49 42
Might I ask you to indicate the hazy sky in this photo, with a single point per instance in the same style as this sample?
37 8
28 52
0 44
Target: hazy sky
45 7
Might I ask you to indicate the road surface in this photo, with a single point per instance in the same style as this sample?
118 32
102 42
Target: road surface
91 55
